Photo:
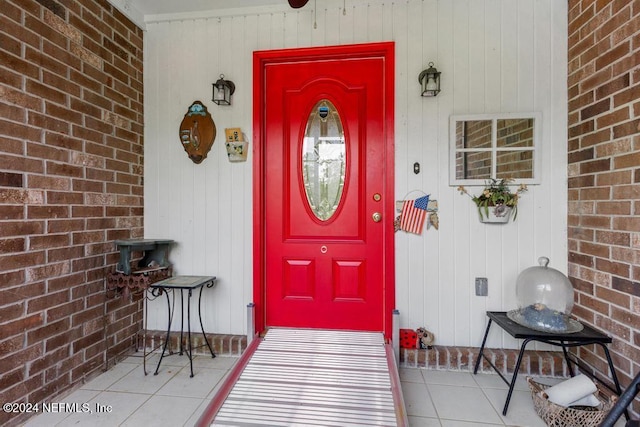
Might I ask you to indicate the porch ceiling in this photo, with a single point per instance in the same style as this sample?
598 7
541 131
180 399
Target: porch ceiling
158 7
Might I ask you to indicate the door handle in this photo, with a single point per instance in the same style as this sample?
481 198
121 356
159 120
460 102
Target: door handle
376 217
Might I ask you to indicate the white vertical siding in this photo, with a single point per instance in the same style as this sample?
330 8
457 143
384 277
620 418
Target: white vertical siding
494 55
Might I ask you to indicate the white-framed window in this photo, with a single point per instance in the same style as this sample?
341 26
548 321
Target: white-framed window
494 146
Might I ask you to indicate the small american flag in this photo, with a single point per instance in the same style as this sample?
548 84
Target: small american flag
413 215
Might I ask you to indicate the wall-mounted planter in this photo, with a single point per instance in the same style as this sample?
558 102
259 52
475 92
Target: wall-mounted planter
237 151
495 214
236 145
497 202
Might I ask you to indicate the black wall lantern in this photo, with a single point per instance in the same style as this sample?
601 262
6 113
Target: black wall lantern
430 81
222 91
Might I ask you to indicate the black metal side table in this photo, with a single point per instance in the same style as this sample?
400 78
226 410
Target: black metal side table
587 336
183 283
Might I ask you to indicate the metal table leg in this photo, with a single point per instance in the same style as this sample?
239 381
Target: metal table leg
210 285
614 376
481 353
515 376
182 320
190 354
566 358
612 369
144 326
166 341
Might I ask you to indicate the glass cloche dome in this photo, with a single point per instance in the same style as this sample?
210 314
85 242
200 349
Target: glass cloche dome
545 300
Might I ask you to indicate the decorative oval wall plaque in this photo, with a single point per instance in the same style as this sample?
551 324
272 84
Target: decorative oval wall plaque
197 132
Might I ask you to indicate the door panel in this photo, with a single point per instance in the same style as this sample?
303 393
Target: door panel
298 278
326 273
299 104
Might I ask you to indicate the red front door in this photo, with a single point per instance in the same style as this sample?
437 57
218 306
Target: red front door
325 158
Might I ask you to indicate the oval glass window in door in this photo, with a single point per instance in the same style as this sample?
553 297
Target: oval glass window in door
324 160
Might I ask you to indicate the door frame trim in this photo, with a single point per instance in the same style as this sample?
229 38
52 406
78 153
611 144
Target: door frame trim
262 59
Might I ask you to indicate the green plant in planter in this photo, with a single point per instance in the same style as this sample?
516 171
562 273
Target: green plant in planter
496 194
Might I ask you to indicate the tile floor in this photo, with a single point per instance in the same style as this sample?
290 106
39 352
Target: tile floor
172 398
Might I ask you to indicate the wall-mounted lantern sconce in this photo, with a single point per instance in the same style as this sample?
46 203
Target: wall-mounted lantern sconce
222 91
430 81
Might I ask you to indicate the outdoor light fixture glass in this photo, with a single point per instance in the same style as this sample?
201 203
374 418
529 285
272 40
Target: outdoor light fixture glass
430 81
222 91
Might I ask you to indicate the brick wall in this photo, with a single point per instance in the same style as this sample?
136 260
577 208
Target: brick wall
70 183
604 174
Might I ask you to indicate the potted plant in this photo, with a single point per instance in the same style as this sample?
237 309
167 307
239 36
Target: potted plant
497 202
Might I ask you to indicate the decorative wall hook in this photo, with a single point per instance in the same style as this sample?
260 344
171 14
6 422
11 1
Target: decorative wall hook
197 132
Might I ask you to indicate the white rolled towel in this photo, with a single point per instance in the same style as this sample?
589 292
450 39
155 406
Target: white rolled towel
572 391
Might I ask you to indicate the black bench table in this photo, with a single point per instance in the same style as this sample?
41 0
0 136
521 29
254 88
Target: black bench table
587 336
155 250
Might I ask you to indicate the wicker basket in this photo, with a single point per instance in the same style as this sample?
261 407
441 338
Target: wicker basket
560 416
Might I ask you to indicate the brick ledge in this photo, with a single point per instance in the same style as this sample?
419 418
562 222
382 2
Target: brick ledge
536 363
230 345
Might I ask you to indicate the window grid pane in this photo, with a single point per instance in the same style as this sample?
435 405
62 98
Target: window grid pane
502 146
